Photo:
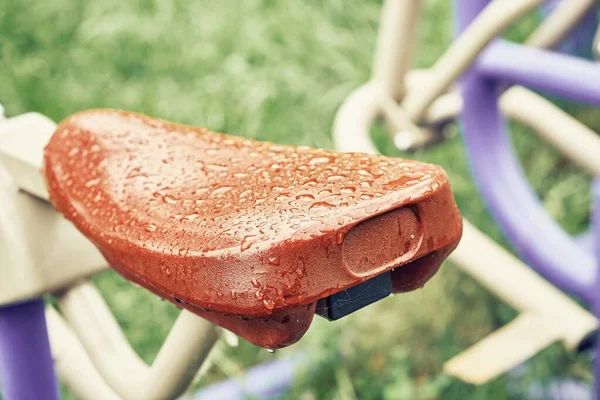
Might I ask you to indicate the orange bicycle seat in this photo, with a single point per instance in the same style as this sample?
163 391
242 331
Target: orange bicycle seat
255 237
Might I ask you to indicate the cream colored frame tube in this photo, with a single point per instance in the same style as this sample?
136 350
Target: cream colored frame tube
558 24
493 20
390 69
396 40
72 363
581 143
546 314
567 135
175 366
542 307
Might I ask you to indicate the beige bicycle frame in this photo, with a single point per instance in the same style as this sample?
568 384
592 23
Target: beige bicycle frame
426 97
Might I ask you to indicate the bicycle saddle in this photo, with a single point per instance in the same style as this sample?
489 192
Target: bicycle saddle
255 237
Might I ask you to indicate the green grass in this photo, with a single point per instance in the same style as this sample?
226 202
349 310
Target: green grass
278 71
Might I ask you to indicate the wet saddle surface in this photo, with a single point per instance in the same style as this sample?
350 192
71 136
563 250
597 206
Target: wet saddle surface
253 236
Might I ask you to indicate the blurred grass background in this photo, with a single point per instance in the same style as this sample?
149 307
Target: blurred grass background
277 71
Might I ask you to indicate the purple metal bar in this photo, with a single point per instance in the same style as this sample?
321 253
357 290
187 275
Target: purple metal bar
535 235
506 191
266 381
26 365
586 241
550 72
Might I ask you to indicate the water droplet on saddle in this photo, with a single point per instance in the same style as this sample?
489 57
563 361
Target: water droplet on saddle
274 260
215 167
191 217
364 173
248 241
269 304
319 160
372 208
245 193
255 283
305 196
169 199
321 204
200 191
220 191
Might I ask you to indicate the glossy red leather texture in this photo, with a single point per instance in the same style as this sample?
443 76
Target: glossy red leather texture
246 234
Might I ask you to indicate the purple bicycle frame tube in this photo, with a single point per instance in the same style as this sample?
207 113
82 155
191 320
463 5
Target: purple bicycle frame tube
504 187
550 72
26 365
596 304
264 381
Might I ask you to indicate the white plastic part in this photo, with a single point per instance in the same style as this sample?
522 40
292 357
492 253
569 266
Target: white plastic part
72 363
39 250
22 142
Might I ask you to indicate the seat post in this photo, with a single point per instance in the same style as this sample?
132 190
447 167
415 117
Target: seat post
26 364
